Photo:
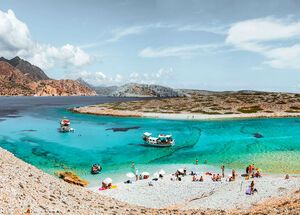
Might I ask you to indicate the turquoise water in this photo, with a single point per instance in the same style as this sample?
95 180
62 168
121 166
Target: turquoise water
34 138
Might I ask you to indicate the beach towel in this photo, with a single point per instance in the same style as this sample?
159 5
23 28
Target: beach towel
112 187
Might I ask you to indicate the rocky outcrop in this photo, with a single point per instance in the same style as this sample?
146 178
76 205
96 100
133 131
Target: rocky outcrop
72 178
14 82
146 90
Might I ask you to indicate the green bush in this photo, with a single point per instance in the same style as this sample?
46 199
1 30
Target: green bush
251 109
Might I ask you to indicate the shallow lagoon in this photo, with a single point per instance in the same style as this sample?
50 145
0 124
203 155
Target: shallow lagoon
272 144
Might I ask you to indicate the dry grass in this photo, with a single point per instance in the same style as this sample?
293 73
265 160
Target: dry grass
217 103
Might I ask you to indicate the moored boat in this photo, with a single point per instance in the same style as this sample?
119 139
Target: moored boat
65 126
96 169
161 141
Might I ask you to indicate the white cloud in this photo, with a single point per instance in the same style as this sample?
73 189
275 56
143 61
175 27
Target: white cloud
14 34
162 76
269 37
209 29
97 78
178 51
15 40
285 57
120 33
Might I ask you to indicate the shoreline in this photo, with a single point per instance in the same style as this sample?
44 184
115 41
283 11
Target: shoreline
207 195
102 111
27 188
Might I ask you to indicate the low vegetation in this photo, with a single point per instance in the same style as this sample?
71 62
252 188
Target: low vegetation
251 109
216 103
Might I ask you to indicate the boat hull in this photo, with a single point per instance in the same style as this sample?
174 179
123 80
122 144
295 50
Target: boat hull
159 145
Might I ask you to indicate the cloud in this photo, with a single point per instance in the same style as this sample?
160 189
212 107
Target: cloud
285 57
97 78
162 76
15 40
222 30
178 51
120 33
275 39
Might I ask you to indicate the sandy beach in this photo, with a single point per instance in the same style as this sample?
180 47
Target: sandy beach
187 194
178 116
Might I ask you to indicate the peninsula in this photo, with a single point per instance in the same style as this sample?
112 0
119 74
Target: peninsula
197 105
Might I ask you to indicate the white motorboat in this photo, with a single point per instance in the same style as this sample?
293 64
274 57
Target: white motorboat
65 126
161 141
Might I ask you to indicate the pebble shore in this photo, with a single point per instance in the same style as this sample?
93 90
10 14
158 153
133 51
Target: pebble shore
24 189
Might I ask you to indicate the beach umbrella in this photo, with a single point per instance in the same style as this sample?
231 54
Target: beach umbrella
180 170
155 175
107 181
130 175
162 172
145 173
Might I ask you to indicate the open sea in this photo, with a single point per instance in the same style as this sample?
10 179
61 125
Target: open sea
29 129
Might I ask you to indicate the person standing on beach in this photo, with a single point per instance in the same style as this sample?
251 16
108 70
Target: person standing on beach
135 171
136 174
250 169
233 175
223 168
196 161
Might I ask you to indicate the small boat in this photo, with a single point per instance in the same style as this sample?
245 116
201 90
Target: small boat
161 141
65 126
96 169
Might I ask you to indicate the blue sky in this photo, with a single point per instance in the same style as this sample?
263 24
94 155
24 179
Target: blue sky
213 45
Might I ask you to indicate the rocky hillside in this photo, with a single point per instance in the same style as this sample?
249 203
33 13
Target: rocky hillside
29 81
32 71
145 90
13 82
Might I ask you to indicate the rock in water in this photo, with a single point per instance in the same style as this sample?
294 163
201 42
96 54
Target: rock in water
72 178
258 135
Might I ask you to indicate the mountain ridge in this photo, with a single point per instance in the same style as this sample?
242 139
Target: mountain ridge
20 78
134 90
34 72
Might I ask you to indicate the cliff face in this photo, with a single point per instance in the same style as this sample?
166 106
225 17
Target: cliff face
14 82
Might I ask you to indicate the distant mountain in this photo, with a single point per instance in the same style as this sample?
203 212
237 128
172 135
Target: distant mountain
146 90
134 90
19 77
100 90
32 71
